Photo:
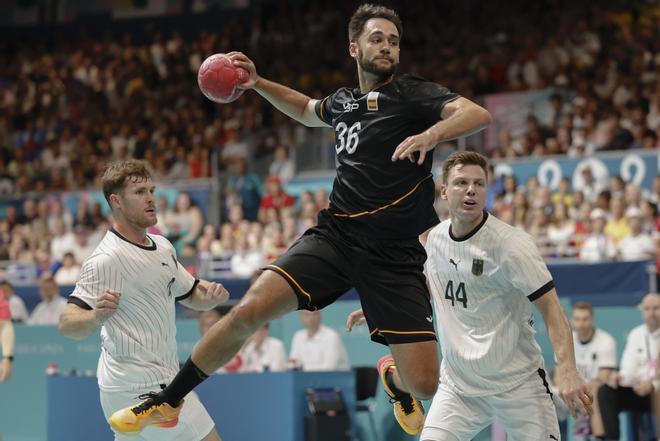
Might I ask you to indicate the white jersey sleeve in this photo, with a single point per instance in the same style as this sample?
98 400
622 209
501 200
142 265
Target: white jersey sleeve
184 283
523 265
98 273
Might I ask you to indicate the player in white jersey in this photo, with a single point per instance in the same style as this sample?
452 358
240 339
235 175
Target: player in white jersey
595 357
483 275
129 287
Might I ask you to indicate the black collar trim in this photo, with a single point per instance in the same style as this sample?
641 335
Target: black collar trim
471 233
151 247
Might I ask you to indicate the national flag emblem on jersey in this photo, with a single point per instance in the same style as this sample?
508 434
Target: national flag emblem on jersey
477 267
372 101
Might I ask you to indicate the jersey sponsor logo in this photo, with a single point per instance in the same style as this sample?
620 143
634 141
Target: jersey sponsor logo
429 319
372 101
477 267
455 263
349 107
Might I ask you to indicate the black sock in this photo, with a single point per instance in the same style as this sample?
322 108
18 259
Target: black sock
389 378
186 380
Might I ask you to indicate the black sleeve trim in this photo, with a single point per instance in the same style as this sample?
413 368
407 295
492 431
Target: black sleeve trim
541 291
320 110
79 302
189 293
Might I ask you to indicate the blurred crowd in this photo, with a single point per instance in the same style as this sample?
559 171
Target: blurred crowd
67 106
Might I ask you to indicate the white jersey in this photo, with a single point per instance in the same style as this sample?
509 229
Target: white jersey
138 342
599 352
482 287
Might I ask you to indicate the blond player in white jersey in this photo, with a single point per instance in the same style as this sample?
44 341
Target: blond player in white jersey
129 287
595 357
483 275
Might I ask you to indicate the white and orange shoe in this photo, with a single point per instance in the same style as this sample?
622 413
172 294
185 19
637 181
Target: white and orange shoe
408 410
150 412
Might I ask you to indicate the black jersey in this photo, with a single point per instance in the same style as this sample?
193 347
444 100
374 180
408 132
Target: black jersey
371 194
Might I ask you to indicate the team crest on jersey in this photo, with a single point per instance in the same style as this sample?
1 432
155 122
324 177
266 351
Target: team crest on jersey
477 267
372 101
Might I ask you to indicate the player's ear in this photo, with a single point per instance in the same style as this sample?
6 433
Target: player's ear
353 49
443 191
114 201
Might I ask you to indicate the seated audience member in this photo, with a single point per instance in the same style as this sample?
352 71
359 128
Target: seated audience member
47 312
597 246
617 227
16 304
263 353
636 387
317 347
68 272
639 245
595 357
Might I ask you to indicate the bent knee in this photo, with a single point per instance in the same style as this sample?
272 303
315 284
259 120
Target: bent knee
424 387
244 318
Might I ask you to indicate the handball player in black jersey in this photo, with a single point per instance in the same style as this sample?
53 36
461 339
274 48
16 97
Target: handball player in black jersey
381 202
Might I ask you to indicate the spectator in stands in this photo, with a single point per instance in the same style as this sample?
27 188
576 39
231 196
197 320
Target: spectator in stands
16 304
598 246
561 230
186 223
275 197
245 260
82 247
617 227
69 270
282 166
595 356
650 218
245 188
636 386
639 245
588 185
47 312
263 353
317 347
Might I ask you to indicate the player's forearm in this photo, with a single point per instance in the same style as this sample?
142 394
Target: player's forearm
292 103
559 331
467 119
78 325
7 338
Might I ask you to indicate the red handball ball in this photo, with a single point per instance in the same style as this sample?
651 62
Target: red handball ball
218 79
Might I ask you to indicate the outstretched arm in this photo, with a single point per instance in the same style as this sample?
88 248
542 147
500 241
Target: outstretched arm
460 117
292 103
572 387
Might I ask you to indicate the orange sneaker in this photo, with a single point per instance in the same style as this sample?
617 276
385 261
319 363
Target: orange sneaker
150 412
408 410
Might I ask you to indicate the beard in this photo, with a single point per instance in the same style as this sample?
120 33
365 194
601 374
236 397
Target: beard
380 72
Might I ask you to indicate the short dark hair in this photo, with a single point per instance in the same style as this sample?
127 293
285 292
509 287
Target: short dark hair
584 306
114 178
464 157
365 13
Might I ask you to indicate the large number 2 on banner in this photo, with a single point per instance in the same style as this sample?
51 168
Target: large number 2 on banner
347 137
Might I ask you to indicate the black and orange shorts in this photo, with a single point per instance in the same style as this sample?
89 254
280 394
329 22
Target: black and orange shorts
388 275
